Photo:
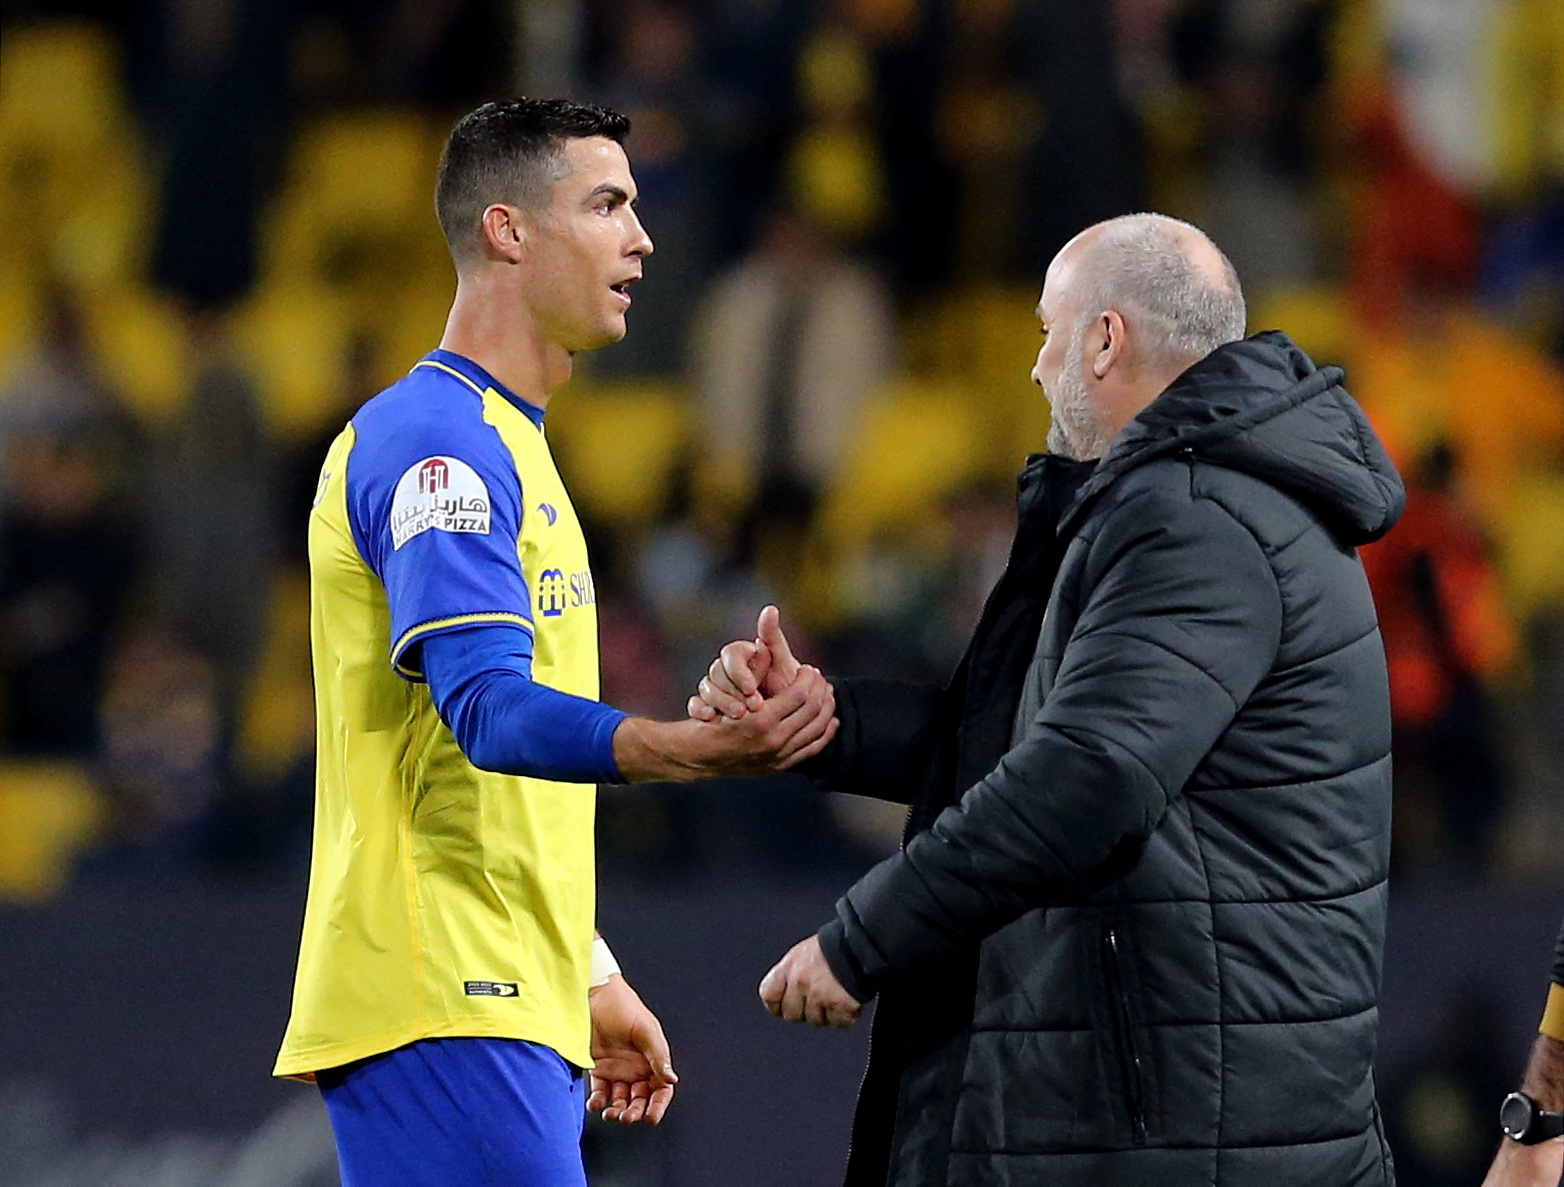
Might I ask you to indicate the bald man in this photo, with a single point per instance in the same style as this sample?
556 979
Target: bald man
1134 934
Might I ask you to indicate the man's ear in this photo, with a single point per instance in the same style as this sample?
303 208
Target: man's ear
504 232
1111 326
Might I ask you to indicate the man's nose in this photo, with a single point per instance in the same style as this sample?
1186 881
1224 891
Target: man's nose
642 245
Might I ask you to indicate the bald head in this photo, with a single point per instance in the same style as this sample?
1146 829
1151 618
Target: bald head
1173 286
1127 306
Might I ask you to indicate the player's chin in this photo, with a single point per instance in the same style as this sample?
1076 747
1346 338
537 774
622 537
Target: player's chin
611 329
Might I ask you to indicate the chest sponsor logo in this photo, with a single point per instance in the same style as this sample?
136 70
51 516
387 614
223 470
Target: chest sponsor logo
559 591
489 988
444 494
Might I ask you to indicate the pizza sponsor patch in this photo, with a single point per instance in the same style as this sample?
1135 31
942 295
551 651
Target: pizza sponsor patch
440 493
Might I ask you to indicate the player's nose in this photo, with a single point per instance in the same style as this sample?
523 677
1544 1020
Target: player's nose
640 243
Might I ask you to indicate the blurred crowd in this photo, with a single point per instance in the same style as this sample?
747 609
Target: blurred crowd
219 241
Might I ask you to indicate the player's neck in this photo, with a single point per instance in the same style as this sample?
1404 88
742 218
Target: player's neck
494 330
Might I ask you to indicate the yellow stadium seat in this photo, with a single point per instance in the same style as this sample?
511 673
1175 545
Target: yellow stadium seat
140 342
295 342
64 133
18 322
916 444
1530 545
48 813
1315 317
59 88
617 446
358 205
412 327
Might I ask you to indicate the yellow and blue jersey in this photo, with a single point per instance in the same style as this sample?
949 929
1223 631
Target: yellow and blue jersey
444 900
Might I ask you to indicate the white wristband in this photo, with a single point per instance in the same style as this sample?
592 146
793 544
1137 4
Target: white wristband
604 965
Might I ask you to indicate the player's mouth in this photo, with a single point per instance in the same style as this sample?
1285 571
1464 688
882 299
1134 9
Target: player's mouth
621 290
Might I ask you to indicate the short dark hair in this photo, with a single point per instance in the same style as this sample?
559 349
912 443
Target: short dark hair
509 151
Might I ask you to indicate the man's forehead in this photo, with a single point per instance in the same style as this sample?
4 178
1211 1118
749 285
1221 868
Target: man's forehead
592 161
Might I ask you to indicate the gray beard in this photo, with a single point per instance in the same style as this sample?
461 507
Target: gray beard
1076 429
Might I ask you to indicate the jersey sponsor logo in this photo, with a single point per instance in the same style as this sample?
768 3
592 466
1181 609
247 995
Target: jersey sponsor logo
551 593
440 493
549 513
489 988
557 592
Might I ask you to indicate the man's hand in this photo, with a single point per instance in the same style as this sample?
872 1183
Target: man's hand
1516 1165
744 674
794 725
633 1078
801 988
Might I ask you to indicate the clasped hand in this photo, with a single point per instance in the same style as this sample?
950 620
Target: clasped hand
742 680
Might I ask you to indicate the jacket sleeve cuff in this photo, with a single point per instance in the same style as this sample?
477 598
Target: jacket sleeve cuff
820 768
844 967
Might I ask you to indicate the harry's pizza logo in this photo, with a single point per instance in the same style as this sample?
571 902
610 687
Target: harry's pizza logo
444 494
434 476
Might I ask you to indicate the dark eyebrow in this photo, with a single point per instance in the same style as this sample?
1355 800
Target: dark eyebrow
610 190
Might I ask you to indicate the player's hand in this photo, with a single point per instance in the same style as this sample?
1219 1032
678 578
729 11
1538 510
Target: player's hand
802 988
796 724
633 1078
1515 1165
745 672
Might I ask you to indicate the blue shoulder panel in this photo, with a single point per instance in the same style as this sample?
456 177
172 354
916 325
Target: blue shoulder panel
435 507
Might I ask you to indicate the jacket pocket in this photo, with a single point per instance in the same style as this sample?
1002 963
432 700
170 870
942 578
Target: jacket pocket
1126 1042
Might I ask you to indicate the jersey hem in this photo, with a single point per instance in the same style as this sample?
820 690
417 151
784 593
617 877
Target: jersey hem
304 1064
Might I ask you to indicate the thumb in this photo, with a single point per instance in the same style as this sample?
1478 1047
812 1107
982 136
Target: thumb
769 631
653 1044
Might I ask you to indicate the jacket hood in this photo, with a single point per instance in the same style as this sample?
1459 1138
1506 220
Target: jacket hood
1263 408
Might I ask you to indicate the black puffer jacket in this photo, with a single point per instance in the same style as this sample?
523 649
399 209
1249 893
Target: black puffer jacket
1144 946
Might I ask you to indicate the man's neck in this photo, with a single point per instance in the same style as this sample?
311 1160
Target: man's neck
490 325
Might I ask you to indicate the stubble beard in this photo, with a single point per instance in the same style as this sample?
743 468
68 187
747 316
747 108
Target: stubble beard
1076 428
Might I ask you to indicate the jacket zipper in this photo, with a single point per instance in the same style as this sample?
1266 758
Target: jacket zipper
1124 1026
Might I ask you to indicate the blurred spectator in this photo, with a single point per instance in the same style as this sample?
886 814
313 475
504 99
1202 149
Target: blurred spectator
1088 163
650 74
68 538
1446 638
1409 225
909 43
1523 269
67 567
748 57
58 388
786 348
213 74
161 752
1257 68
214 522
1440 57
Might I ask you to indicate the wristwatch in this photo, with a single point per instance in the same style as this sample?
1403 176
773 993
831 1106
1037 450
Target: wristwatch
1523 1122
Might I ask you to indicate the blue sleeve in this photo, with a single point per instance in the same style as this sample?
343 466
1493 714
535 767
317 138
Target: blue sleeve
481 680
435 506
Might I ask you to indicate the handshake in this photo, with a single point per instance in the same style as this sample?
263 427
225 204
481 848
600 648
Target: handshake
757 710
